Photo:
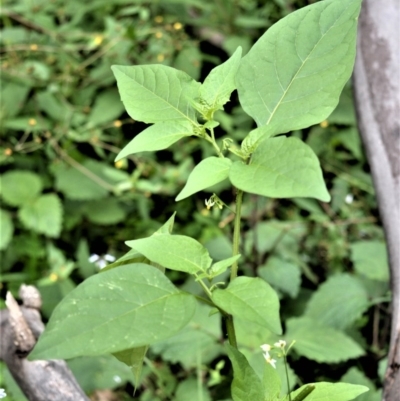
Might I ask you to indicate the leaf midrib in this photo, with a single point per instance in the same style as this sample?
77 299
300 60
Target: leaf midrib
297 73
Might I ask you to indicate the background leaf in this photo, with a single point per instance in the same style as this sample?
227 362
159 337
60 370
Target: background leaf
332 306
207 173
7 229
294 74
133 358
92 322
282 275
198 342
43 215
281 168
19 187
319 342
370 259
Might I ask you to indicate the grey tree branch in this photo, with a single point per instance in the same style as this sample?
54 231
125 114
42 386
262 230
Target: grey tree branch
377 94
20 326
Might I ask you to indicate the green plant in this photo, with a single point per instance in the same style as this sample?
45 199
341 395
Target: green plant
290 79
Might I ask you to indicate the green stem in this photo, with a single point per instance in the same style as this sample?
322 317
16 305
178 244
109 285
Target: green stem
287 377
236 232
213 142
205 288
230 328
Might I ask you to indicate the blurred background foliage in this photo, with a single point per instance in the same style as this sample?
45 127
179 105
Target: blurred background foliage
65 204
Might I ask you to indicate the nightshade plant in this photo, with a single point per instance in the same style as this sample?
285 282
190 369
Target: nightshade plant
290 79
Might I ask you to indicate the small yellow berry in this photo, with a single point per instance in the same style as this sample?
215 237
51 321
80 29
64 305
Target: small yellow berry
177 26
119 164
33 46
159 19
32 122
98 40
160 57
158 35
8 152
53 277
117 123
324 124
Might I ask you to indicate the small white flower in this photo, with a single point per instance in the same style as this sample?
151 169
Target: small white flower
271 361
209 203
265 347
3 393
280 344
349 199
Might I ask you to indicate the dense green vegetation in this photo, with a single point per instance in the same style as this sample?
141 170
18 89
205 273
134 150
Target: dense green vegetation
63 197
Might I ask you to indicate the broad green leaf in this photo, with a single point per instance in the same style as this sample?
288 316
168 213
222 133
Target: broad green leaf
157 137
332 391
281 168
272 382
122 308
282 275
332 306
176 252
43 215
294 74
370 259
220 82
133 358
319 342
251 299
246 385
7 229
154 93
19 187
207 173
219 267
168 226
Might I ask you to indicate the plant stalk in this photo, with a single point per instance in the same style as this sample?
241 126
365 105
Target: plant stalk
236 232
230 329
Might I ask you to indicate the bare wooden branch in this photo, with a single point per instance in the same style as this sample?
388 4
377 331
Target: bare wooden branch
377 93
20 327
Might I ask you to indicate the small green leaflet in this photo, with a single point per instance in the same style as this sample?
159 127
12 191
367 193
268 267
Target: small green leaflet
176 252
220 82
155 93
157 137
251 299
208 172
